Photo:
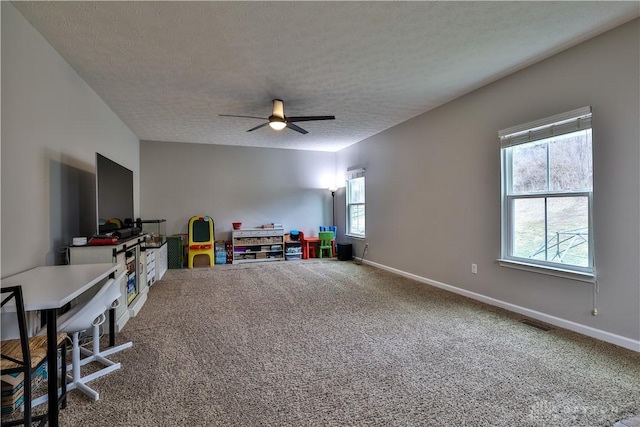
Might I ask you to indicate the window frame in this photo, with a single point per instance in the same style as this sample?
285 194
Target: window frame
542 130
353 175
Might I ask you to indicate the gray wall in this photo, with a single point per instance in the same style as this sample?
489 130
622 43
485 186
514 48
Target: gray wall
254 186
433 187
52 126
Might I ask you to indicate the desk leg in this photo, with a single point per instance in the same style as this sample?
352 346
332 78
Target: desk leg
112 327
52 366
112 321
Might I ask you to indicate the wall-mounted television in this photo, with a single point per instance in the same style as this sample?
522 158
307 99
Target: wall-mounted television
114 195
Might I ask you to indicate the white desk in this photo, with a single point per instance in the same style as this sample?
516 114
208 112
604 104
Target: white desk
48 289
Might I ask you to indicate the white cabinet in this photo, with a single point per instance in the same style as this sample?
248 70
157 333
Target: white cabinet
156 261
151 266
162 262
258 244
129 257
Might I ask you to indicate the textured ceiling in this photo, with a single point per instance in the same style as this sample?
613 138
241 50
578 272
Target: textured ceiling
168 69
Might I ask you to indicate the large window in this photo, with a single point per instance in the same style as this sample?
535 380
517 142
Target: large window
547 193
355 203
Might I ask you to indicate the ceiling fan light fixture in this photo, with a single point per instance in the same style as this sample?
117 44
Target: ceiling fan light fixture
278 121
276 125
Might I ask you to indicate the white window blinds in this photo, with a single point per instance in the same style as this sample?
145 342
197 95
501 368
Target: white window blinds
355 173
559 124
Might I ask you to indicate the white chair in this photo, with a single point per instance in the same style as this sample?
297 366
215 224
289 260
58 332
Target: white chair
86 316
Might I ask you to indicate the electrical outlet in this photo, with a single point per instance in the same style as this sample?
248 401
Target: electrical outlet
366 248
474 268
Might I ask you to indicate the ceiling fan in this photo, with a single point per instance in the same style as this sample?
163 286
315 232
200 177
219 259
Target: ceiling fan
278 121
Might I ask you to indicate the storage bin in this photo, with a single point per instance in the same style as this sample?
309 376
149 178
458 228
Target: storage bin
13 388
291 257
220 252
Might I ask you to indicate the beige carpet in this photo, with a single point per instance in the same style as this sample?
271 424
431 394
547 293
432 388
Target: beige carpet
329 343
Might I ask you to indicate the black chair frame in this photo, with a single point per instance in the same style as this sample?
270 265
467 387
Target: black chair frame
25 364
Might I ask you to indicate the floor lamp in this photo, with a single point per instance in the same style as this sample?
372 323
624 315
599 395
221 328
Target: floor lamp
333 205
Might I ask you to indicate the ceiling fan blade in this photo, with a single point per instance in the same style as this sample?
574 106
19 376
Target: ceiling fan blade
309 118
296 128
258 127
247 117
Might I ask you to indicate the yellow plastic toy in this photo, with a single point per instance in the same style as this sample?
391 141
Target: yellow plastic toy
115 221
201 238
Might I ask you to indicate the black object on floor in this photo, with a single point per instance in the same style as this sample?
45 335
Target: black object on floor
345 252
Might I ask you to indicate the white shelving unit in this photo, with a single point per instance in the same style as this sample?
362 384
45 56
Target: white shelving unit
292 249
130 258
258 245
156 254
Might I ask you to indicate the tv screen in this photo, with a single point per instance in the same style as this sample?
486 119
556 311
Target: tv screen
114 189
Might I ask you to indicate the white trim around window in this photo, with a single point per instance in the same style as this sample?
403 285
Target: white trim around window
547 196
355 203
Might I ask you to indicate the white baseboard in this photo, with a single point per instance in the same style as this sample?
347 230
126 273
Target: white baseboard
136 305
121 321
557 321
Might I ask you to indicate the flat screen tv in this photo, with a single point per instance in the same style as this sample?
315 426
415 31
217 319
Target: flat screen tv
114 190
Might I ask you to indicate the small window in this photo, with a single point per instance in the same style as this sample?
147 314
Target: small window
355 203
547 193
